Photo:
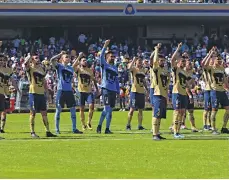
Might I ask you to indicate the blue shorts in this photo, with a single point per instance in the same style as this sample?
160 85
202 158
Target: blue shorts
160 106
179 101
109 97
207 100
189 104
218 97
137 100
65 97
86 97
151 95
37 102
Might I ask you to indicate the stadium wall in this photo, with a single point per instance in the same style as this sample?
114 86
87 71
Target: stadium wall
112 9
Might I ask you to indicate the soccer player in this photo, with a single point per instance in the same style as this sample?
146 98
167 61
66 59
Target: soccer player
161 78
207 91
190 105
137 94
64 90
151 79
37 100
219 83
110 86
7 77
179 96
2 87
85 79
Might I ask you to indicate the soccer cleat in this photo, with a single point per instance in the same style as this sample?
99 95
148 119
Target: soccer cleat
2 131
49 134
120 110
33 135
84 128
107 131
225 131
210 128
128 127
124 109
160 136
58 132
141 128
77 132
214 132
156 138
99 127
206 128
178 136
89 126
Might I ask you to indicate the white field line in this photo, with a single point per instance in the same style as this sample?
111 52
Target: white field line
112 139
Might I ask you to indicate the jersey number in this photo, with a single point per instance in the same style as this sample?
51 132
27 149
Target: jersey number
164 80
140 79
67 76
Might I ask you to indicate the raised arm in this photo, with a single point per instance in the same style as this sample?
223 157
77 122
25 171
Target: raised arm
207 58
102 60
77 61
173 59
27 62
151 58
53 59
131 64
155 59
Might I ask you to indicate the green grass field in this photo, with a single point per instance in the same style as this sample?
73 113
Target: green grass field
120 155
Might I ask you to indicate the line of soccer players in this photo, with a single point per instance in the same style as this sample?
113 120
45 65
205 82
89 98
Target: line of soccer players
182 98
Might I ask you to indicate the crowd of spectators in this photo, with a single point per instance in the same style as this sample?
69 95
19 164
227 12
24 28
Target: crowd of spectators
197 48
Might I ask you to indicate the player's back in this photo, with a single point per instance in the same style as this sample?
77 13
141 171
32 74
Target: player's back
36 77
7 74
137 77
64 76
206 78
179 81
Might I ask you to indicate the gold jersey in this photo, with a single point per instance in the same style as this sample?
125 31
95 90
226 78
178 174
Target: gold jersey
206 78
161 79
137 78
36 77
217 78
179 81
85 77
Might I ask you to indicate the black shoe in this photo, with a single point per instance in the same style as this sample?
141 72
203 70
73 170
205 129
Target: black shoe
161 137
107 131
128 127
77 132
141 128
156 138
2 131
99 127
49 134
225 131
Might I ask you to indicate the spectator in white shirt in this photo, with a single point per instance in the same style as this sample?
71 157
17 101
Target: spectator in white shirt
82 38
203 51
